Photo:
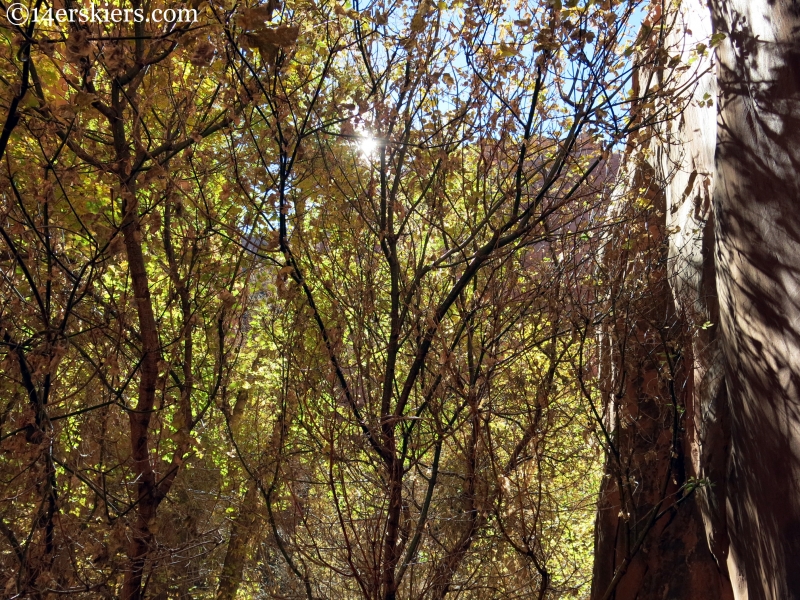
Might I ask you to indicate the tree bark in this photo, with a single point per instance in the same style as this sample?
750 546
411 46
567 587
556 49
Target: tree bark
236 555
147 500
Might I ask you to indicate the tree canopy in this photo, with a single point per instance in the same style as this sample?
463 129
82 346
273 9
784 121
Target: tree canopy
315 300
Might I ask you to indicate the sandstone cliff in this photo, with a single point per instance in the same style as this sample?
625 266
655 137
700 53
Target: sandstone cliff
732 214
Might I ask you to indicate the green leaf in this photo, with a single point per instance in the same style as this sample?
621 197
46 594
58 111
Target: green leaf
716 39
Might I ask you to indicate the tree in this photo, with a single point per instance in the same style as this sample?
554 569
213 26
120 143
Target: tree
428 236
296 296
120 314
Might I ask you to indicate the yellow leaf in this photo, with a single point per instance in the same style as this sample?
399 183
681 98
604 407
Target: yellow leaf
506 50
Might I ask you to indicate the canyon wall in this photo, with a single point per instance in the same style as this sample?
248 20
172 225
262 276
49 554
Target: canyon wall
732 214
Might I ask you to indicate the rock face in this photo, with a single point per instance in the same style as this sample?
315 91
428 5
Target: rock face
742 271
651 540
733 213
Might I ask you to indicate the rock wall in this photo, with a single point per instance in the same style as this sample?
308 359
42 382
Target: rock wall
733 217
650 537
736 263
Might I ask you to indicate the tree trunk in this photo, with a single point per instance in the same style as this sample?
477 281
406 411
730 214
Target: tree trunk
236 555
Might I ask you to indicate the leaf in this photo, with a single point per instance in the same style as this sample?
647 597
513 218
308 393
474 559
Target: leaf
283 37
252 19
418 23
84 99
203 54
268 41
114 57
78 45
506 50
716 39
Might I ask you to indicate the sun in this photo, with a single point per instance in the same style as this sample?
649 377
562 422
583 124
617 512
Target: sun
367 145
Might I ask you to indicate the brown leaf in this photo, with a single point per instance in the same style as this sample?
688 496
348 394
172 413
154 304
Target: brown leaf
418 23
114 55
284 36
84 99
418 20
203 54
268 41
46 47
78 45
253 19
